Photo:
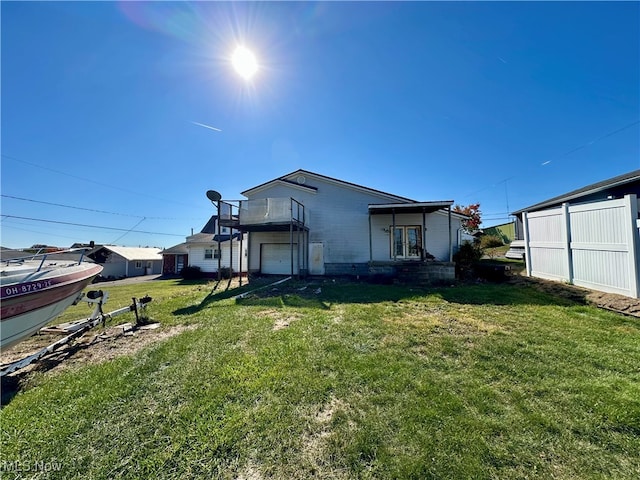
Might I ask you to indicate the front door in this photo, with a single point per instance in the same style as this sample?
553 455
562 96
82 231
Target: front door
406 242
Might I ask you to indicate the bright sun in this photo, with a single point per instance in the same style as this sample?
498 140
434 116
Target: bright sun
244 61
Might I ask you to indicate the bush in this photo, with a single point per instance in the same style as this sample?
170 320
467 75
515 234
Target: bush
490 245
490 241
465 258
191 273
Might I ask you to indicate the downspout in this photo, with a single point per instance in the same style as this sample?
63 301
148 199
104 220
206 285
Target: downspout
450 243
370 241
291 233
423 254
230 251
219 248
393 233
240 258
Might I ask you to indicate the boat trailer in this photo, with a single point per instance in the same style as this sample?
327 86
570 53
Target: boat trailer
77 328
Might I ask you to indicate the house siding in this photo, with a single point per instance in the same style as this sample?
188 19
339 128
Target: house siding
436 239
336 216
196 257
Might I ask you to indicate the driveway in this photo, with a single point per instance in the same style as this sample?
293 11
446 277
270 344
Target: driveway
129 280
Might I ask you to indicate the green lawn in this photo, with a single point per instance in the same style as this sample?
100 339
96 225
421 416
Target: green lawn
357 381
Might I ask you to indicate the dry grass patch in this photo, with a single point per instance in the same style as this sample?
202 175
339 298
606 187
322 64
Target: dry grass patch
282 318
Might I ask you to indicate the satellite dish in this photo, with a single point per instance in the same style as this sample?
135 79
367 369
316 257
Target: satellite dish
213 195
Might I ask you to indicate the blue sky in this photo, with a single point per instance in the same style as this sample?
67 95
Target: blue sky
505 104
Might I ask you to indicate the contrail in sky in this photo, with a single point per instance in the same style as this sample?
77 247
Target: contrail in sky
207 126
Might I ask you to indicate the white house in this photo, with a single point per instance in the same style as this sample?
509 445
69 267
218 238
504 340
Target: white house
208 250
307 223
120 262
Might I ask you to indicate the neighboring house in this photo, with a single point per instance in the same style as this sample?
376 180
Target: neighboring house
174 259
208 250
589 237
505 232
118 262
307 223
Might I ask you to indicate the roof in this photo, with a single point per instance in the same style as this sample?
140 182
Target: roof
620 180
135 253
180 249
291 179
411 207
210 226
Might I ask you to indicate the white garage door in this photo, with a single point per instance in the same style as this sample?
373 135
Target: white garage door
275 259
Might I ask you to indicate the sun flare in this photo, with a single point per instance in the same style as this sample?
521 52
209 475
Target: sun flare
244 62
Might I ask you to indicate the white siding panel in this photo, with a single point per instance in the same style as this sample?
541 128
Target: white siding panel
548 263
548 247
196 257
601 270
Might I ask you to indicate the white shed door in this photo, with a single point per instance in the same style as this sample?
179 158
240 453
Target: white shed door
316 258
275 259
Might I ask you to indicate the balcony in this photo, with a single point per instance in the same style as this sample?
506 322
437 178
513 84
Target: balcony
264 214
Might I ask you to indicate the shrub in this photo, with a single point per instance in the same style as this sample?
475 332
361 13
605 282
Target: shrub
225 272
490 241
191 273
490 244
468 254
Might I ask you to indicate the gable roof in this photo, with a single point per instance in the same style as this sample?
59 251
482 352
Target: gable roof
291 179
210 226
618 181
135 253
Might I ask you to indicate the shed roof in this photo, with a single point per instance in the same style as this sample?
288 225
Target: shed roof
620 180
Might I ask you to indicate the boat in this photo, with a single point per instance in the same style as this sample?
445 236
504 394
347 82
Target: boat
34 291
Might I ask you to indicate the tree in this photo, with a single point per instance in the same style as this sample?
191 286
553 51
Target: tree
471 224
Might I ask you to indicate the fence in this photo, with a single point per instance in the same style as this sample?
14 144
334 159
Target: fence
594 245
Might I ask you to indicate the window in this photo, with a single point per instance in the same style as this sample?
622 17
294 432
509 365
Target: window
138 264
406 242
210 253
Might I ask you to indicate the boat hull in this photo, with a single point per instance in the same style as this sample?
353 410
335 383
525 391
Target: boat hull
31 301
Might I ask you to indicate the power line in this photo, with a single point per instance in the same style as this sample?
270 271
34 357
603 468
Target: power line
130 230
5 226
91 209
92 226
94 182
602 137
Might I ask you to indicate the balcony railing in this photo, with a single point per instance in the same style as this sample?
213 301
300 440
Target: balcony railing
263 211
